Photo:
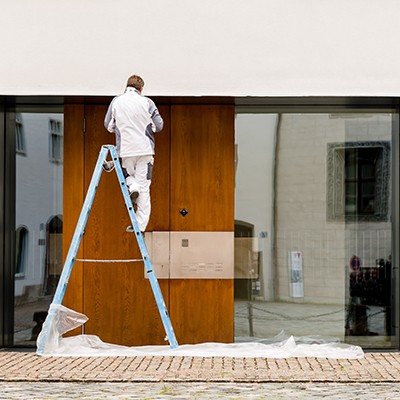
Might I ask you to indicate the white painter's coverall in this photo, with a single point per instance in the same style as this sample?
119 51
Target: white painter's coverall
134 119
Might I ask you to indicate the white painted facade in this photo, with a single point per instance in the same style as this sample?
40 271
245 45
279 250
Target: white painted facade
254 48
192 48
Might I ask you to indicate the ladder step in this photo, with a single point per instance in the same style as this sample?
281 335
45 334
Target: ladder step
130 229
109 261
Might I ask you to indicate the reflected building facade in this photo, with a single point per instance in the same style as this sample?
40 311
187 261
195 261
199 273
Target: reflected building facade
38 217
316 185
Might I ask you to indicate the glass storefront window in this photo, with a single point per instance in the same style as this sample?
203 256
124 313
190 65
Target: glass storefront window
313 226
39 192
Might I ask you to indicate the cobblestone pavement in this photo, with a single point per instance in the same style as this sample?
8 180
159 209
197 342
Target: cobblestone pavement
24 375
200 390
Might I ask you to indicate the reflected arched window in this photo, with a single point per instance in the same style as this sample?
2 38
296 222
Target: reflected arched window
53 253
20 145
21 246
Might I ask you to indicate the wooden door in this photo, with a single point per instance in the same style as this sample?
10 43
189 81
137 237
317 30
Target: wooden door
202 182
194 169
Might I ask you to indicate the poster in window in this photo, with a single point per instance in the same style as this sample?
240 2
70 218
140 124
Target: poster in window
296 274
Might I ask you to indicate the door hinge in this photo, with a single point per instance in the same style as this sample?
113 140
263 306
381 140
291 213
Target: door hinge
84 124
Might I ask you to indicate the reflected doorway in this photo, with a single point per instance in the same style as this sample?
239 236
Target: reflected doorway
53 255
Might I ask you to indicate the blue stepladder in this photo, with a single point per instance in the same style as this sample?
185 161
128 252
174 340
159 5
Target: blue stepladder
76 239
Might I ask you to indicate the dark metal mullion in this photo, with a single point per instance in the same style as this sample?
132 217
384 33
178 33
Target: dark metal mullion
395 215
9 227
2 191
359 183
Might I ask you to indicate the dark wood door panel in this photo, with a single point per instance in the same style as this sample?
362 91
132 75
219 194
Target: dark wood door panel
202 310
160 185
73 196
202 165
202 182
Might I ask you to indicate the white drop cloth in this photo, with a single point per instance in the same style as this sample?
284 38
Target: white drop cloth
281 346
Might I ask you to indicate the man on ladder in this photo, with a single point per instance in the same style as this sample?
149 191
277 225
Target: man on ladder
134 119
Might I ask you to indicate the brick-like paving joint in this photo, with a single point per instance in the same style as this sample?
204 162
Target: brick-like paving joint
25 366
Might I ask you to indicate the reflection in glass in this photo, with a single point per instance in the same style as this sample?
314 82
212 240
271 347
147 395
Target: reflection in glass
313 227
39 170
21 243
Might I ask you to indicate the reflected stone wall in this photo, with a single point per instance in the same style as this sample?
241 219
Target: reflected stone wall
301 215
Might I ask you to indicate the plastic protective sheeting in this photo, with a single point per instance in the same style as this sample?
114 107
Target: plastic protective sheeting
281 346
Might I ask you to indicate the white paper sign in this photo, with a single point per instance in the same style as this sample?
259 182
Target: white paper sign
296 274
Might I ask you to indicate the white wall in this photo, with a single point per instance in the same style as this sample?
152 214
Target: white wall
208 47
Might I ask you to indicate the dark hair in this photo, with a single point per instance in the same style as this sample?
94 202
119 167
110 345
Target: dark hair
135 81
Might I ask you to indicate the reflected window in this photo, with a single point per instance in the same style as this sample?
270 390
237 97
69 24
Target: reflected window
56 141
21 244
19 136
358 181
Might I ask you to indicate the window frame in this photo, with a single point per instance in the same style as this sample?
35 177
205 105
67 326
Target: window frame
20 143
56 140
336 204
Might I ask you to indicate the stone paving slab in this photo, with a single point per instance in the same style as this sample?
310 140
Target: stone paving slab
27 366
